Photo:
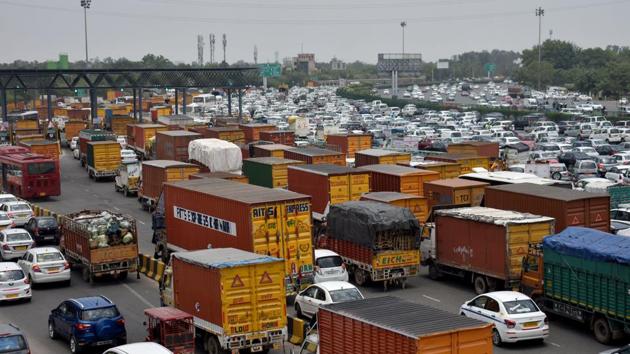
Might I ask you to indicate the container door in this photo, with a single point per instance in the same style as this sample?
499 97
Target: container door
520 236
359 184
280 176
387 160
266 230
339 189
270 300
419 207
411 185
297 236
239 300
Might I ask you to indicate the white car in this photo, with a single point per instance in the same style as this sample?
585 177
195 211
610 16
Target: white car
128 156
618 174
587 150
76 154
122 141
329 266
515 316
74 143
14 243
5 221
45 265
5 198
308 301
14 285
138 348
19 212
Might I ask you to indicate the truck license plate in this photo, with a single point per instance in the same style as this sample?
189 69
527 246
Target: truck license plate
257 348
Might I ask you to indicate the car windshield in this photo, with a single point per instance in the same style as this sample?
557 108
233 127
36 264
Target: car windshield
47 222
520 306
344 295
588 164
96 314
20 207
329 262
11 275
21 236
49 257
11 344
7 199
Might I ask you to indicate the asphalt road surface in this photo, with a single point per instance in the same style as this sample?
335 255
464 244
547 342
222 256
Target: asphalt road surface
132 295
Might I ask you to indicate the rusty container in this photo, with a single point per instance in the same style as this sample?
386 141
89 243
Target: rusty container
380 156
419 206
157 172
278 136
328 184
312 156
349 144
395 178
475 148
390 324
221 175
252 130
232 134
454 191
466 161
270 150
173 144
568 207
80 113
270 172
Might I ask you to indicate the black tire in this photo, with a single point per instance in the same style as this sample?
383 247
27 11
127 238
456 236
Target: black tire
480 284
85 274
298 311
214 347
556 175
74 346
602 330
123 275
434 272
496 338
492 284
360 277
52 333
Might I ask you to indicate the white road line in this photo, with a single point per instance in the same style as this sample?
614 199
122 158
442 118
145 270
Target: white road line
431 298
142 222
117 208
145 301
555 344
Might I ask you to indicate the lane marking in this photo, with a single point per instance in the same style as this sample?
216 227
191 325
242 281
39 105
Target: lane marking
117 208
142 222
144 300
555 344
431 298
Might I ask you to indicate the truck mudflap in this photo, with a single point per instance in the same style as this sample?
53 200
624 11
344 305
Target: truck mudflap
257 341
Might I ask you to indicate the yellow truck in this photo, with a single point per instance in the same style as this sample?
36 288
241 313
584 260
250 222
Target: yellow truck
103 159
241 305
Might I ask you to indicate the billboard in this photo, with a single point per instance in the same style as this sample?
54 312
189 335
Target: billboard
403 63
442 64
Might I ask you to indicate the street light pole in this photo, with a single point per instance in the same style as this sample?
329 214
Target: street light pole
403 24
539 13
85 4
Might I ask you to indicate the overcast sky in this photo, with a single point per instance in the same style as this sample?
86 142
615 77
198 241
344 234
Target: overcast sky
348 29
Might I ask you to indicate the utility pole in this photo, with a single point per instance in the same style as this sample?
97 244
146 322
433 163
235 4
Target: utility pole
403 24
211 41
255 54
200 45
539 13
85 4
224 47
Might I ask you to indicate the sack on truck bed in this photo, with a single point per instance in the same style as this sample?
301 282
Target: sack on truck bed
218 155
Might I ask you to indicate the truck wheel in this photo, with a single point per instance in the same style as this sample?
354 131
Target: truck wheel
492 284
434 272
87 276
481 287
213 345
122 276
360 277
602 331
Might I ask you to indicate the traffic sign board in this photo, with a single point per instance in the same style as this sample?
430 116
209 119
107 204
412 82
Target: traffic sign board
489 67
270 70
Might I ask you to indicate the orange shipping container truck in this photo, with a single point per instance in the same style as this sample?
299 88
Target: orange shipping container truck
221 175
278 136
173 144
143 133
394 178
270 150
392 325
313 156
156 173
419 206
351 143
231 134
47 148
466 161
252 130
445 169
454 191
73 128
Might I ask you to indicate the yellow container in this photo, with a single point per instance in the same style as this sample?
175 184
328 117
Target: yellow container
520 236
467 162
103 155
174 174
381 157
445 169
419 206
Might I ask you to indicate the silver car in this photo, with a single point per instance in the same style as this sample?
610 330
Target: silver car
14 243
19 212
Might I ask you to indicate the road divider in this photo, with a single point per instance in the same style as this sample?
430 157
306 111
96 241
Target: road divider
296 329
151 267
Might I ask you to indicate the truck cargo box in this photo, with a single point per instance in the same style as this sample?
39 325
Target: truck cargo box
118 124
349 144
392 325
488 241
568 207
312 156
93 135
466 161
380 156
103 158
270 172
48 148
143 133
232 134
395 178
215 155
419 206
270 150
221 175
72 128
445 169
242 294
278 136
173 144
221 213
156 173
476 148
328 184
454 191
174 122
252 130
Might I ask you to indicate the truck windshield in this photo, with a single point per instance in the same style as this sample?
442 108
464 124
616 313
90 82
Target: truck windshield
520 306
97 314
344 295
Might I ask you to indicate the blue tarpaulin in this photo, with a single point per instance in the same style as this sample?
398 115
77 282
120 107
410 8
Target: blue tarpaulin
590 244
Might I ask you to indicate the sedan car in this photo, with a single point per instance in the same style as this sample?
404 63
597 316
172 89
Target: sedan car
618 174
587 150
43 229
5 198
14 285
308 301
515 316
5 221
12 340
329 266
19 212
139 348
45 265
87 322
605 163
14 243
571 157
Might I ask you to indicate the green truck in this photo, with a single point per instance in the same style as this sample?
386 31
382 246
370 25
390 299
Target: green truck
584 275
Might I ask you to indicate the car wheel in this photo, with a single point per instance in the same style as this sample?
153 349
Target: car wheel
496 338
52 334
602 331
556 175
74 346
298 310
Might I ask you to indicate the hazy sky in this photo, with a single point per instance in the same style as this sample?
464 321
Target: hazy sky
349 29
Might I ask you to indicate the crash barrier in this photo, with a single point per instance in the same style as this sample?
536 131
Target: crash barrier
296 329
39 211
151 267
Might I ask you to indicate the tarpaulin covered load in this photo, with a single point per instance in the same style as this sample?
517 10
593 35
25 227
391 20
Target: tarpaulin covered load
590 244
361 221
218 155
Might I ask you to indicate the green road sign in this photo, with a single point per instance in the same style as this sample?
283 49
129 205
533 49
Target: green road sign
270 70
489 67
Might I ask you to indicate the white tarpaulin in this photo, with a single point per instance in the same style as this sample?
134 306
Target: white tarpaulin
216 154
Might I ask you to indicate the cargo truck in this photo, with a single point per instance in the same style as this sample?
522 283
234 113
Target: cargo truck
88 135
484 246
377 241
100 242
103 159
72 128
223 213
241 305
583 275
157 172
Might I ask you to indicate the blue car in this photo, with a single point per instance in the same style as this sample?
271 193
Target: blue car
87 322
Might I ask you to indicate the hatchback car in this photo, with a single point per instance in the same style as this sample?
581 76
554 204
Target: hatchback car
19 212
87 322
45 265
329 266
14 285
14 243
5 221
308 301
515 316
139 348
12 341
43 229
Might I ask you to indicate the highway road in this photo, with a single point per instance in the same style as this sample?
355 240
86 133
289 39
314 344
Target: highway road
133 295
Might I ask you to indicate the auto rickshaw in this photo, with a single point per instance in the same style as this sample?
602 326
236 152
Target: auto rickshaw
172 328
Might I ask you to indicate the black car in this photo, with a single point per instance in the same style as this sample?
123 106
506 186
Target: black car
605 150
569 158
43 229
12 341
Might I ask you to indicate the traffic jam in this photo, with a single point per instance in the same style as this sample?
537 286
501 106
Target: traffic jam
305 226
